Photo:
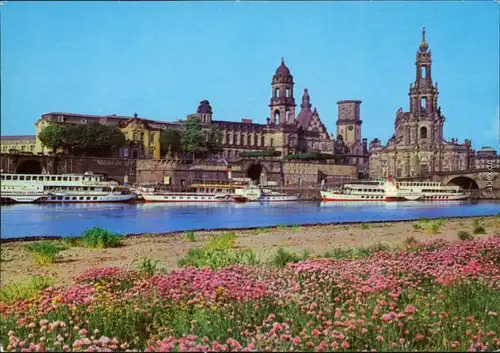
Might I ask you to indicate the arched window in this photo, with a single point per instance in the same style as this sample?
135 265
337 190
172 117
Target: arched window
228 138
288 92
423 71
423 132
277 117
236 139
255 140
277 92
262 141
287 115
249 140
243 139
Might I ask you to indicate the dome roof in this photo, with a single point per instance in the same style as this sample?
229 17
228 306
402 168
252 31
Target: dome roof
283 70
204 108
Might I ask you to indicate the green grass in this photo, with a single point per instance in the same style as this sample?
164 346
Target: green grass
295 228
71 242
146 266
283 257
364 226
464 235
25 289
223 241
410 240
417 226
356 252
189 237
281 227
100 238
44 252
217 258
479 227
433 227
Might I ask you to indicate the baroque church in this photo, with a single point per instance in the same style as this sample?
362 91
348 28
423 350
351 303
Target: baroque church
417 148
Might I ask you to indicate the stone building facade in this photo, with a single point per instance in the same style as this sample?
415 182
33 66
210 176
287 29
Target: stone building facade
142 135
18 143
486 158
417 147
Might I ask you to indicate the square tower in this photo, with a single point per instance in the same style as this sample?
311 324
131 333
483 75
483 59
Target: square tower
349 122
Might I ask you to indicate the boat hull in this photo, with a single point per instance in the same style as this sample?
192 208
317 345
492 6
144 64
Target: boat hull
22 198
186 197
68 198
278 198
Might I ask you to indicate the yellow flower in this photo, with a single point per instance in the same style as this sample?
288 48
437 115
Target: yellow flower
220 290
214 307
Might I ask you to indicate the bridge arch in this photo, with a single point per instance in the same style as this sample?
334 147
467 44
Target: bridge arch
464 182
256 170
29 166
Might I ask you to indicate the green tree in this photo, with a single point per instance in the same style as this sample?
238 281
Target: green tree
170 138
193 139
213 138
53 136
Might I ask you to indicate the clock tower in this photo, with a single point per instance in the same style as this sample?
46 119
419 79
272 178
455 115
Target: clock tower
349 125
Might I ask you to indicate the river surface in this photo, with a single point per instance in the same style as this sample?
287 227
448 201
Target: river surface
28 220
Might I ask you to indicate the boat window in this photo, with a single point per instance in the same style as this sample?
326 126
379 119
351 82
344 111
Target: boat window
21 177
94 198
59 198
53 178
66 198
2 177
180 198
77 179
28 177
88 197
59 178
81 197
65 178
73 198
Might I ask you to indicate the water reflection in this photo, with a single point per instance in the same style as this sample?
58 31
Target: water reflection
71 219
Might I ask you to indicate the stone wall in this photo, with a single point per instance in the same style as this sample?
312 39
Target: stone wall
114 168
307 173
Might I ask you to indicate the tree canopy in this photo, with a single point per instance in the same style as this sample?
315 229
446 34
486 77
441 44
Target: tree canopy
92 138
170 139
193 139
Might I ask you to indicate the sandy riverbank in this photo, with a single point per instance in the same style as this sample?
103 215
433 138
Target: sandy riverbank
17 264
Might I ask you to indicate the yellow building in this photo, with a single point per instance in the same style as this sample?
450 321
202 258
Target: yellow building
18 143
142 135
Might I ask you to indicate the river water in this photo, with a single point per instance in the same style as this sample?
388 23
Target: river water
28 220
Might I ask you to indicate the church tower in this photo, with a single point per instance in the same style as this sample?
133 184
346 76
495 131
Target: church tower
426 123
282 104
349 125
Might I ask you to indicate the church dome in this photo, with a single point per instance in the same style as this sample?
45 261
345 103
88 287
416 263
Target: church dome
204 108
283 70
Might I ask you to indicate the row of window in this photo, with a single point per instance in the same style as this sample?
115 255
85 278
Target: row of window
22 148
40 178
75 198
246 140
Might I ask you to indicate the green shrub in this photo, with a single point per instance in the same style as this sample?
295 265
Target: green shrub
148 267
365 226
295 228
433 227
283 257
218 258
464 235
224 241
479 229
45 252
189 237
417 226
25 289
340 253
100 238
281 227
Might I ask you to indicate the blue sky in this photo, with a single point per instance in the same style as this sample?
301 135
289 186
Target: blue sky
161 59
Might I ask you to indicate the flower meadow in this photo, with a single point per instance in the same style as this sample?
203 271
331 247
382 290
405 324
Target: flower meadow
432 296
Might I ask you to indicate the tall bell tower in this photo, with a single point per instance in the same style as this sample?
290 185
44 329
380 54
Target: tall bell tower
282 104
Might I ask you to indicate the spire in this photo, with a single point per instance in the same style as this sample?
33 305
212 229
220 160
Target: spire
306 101
282 61
423 44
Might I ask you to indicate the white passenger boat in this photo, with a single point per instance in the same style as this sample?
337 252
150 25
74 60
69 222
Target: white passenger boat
392 190
269 195
67 188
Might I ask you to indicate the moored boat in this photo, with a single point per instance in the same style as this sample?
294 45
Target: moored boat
62 188
392 190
